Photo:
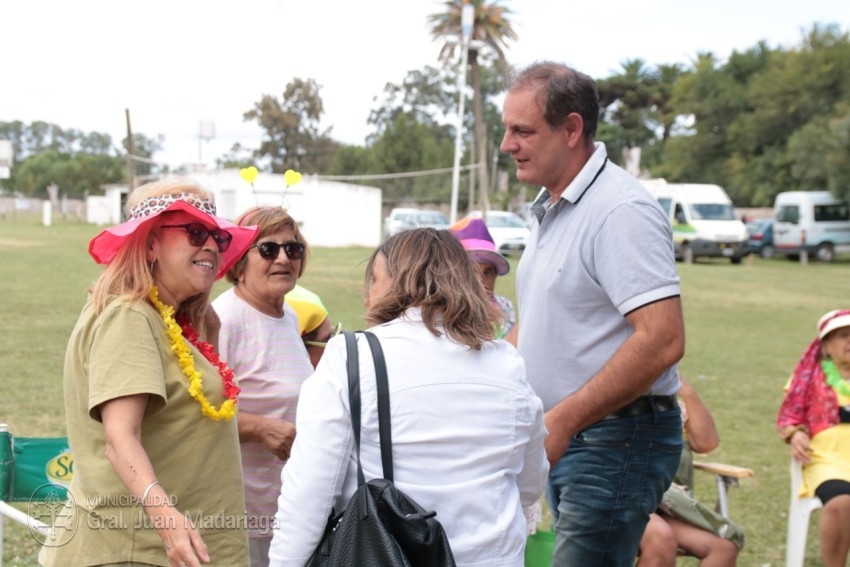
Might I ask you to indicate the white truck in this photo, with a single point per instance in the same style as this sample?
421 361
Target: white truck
812 221
703 218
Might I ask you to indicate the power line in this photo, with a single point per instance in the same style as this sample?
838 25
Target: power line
396 175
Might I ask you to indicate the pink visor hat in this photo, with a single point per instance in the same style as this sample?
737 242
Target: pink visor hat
476 239
106 245
833 320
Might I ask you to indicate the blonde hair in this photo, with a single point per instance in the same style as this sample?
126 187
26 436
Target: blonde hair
129 275
431 270
269 220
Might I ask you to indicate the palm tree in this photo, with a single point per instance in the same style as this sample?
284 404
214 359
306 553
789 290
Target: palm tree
492 30
628 101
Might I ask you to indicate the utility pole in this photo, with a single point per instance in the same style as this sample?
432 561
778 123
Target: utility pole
131 165
466 21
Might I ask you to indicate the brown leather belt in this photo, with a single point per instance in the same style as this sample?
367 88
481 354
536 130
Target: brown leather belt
644 405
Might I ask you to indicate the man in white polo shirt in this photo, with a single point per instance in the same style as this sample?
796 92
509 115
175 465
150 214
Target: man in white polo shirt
600 321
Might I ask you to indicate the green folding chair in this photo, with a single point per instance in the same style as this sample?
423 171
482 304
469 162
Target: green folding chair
35 470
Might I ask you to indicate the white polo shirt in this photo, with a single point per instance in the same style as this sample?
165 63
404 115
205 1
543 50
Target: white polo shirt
603 250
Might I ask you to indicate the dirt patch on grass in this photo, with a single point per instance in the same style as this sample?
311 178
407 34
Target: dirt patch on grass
17 243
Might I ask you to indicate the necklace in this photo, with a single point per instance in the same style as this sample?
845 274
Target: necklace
834 378
176 332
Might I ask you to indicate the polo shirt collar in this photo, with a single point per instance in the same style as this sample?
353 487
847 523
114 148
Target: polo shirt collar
585 178
576 189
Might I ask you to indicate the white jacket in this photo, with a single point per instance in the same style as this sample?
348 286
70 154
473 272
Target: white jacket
467 434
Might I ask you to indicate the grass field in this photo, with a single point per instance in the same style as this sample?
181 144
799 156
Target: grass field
746 327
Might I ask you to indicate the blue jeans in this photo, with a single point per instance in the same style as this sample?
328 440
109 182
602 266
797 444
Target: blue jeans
605 486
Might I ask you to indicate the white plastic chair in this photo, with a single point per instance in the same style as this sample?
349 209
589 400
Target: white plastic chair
798 518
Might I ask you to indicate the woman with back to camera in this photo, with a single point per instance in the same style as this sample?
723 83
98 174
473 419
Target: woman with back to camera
261 341
814 420
150 408
467 429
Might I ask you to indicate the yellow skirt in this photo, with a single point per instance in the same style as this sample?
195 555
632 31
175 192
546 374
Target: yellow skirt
830 454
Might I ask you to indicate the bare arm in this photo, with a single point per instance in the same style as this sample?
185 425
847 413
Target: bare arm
122 424
276 435
700 426
512 335
316 340
658 342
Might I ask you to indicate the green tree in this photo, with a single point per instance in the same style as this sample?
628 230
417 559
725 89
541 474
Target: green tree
237 158
792 98
838 164
293 139
75 175
708 99
354 160
626 100
144 148
638 102
77 162
491 30
408 145
428 95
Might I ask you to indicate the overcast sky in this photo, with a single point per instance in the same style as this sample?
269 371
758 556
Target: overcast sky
176 63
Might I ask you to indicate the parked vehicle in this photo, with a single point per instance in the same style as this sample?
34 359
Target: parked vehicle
509 231
761 238
525 213
814 221
401 219
703 218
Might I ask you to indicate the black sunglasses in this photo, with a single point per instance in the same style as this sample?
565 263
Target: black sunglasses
270 250
198 235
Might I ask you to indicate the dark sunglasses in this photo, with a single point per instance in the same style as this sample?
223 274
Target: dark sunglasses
198 235
270 250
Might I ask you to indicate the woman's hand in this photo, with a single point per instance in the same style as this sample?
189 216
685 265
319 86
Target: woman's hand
183 544
276 435
799 443
122 422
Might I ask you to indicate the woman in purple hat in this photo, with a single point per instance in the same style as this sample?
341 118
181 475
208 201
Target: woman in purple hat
476 239
149 406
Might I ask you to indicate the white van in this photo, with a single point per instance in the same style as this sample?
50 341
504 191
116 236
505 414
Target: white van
814 221
703 219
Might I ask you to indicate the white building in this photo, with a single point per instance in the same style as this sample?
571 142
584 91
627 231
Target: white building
330 214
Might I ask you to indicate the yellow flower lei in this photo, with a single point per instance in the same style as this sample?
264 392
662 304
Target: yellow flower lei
187 364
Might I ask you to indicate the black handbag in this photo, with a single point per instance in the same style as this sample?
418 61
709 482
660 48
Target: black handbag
381 526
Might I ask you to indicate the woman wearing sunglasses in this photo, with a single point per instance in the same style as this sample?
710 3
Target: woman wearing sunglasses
150 408
261 340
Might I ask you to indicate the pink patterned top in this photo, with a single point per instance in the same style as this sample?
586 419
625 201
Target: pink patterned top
809 400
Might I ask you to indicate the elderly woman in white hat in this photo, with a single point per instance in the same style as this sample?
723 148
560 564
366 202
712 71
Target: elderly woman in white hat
815 421
149 405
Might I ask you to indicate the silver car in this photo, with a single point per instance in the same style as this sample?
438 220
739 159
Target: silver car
405 219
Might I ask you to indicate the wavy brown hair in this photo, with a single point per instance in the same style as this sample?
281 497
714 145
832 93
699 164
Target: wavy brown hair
269 220
430 269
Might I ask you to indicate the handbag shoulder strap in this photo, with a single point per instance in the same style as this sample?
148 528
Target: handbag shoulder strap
354 396
384 427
